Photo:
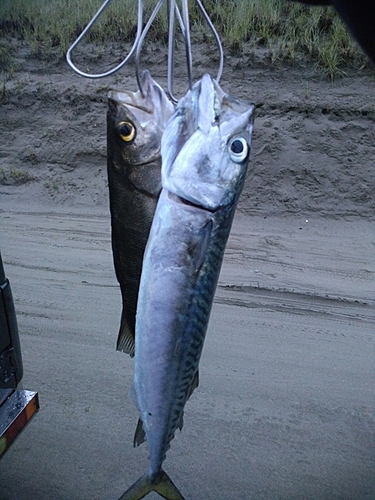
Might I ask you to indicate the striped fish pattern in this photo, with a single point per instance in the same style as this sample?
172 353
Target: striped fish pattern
205 152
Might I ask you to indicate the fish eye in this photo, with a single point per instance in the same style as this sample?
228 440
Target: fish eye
238 149
126 131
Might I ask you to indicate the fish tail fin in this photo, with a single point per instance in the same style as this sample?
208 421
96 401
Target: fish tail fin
162 485
125 339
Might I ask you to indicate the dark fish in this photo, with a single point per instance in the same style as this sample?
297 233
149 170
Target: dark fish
135 124
205 152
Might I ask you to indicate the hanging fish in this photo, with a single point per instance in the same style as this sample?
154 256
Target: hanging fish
205 152
135 124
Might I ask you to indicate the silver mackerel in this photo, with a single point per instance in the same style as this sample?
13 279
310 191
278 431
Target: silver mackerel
135 124
205 154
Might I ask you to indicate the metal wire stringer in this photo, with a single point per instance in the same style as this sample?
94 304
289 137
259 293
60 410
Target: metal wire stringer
173 13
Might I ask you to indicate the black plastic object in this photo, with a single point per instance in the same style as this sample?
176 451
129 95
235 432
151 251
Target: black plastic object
11 369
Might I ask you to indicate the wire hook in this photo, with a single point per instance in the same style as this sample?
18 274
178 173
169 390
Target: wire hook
184 24
89 26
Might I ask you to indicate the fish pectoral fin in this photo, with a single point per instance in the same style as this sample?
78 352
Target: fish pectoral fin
198 246
125 339
162 484
139 435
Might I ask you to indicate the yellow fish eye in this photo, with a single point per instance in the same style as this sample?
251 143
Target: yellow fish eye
126 131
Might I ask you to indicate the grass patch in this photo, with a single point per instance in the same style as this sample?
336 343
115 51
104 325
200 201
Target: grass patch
7 62
3 92
288 31
14 176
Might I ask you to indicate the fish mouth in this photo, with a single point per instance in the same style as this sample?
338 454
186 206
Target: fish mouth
136 99
183 201
208 102
152 101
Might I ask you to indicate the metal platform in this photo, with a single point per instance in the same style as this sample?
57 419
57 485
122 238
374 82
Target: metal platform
16 409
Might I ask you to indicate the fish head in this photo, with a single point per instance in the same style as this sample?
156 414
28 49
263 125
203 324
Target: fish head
135 124
206 146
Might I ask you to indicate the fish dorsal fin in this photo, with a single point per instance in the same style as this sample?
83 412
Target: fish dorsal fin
194 384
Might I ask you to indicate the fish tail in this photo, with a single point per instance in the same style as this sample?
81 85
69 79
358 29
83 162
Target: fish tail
125 340
162 484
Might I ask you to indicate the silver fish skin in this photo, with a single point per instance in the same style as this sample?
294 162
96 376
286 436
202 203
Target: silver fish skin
205 153
135 124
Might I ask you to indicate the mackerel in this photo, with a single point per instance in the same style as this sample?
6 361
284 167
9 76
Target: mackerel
205 153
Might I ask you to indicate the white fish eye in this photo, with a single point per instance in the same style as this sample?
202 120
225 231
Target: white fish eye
238 149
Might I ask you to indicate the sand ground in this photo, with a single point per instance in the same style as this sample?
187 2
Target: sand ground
285 409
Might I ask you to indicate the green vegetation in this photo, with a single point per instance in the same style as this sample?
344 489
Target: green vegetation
6 57
285 31
14 176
